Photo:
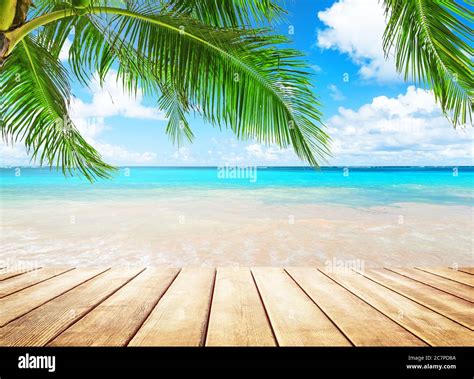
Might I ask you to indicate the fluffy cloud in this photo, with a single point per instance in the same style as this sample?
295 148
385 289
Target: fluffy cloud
183 154
111 99
240 153
119 155
406 130
233 152
13 155
355 27
90 119
268 154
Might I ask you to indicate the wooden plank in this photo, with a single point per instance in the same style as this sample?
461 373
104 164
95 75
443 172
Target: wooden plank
43 324
29 279
467 270
295 319
431 327
19 303
10 273
448 305
456 276
181 316
237 314
365 326
115 321
460 290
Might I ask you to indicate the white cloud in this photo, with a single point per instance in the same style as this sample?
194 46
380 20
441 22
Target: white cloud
355 27
183 154
119 155
335 93
267 153
16 155
90 128
111 99
13 155
407 130
90 119
229 150
231 158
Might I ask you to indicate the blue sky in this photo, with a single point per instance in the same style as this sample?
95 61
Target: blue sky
373 117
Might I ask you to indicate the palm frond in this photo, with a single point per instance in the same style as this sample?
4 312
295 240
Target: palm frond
105 49
433 46
35 92
236 78
227 13
176 106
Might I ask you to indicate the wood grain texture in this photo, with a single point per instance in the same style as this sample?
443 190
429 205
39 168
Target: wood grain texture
456 276
296 320
365 326
181 316
115 321
7 273
467 270
237 314
457 289
22 302
431 327
235 307
40 326
20 282
448 305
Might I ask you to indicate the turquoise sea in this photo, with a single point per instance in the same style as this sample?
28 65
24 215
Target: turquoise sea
353 186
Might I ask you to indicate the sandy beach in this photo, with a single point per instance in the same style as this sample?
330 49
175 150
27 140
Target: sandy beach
233 227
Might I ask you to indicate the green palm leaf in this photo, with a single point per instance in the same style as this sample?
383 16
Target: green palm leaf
35 90
96 48
176 106
227 13
236 78
433 45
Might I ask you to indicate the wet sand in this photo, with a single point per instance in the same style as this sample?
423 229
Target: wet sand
230 228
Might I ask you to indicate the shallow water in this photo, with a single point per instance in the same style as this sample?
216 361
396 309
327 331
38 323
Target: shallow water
347 186
193 217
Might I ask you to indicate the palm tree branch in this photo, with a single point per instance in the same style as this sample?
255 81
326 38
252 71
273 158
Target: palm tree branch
283 91
228 13
36 111
430 43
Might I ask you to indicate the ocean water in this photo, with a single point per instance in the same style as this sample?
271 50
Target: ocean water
359 187
152 216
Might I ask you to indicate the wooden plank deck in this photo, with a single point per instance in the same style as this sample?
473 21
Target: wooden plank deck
6 273
236 306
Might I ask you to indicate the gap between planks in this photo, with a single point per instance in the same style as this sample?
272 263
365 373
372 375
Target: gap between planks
235 307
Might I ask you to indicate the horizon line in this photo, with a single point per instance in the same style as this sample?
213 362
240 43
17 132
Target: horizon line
258 166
